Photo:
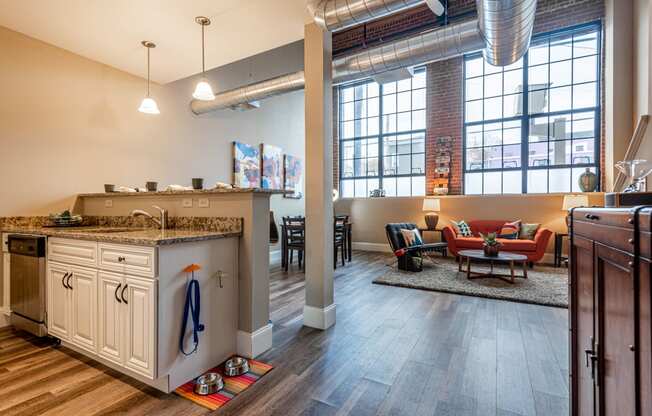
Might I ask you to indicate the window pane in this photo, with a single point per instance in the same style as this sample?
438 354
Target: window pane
359 167
347 168
583 151
418 99
373 107
473 67
389 123
373 89
585 69
389 185
537 77
513 82
493 157
347 94
404 85
418 143
418 186
419 120
585 42
389 88
512 182
372 184
576 178
473 111
493 182
418 164
474 159
404 121
389 103
473 183
538 53
561 73
584 95
538 129
403 186
404 163
560 99
512 105
404 101
559 180
512 135
372 126
390 165
493 85
473 136
560 152
583 125
419 80
347 189
361 188
493 108
538 101
360 92
512 156
538 154
537 181
560 127
560 47
474 89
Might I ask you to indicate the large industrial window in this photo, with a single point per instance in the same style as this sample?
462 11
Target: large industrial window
382 130
533 127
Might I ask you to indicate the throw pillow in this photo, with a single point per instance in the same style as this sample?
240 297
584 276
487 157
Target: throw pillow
411 237
509 232
528 231
462 229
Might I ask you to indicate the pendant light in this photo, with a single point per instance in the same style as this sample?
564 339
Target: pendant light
203 90
148 106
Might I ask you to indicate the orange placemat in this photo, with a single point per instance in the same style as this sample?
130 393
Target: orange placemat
232 385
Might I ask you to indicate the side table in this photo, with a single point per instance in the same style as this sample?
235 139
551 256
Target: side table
444 248
559 243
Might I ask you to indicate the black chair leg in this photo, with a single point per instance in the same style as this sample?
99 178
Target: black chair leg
343 255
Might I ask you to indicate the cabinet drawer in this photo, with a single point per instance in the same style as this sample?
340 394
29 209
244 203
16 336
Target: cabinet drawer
620 238
80 252
134 260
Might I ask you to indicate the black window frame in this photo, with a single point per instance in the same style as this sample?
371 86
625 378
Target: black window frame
381 136
526 117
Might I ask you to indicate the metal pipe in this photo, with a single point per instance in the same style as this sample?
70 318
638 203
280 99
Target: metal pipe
334 15
506 26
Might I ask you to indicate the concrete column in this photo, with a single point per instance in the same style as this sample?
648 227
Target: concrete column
618 85
319 311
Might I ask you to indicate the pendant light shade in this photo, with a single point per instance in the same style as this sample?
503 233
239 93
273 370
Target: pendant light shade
148 106
203 90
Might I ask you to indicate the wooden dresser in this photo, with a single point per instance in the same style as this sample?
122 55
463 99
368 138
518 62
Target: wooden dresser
610 310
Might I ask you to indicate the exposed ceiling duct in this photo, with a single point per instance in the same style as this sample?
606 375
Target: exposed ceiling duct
507 28
505 47
335 15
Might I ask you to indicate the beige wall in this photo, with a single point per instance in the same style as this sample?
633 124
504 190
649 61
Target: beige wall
69 125
642 99
369 215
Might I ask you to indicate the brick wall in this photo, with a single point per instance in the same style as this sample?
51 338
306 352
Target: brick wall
444 79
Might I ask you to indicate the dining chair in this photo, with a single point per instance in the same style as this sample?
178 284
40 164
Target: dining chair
294 235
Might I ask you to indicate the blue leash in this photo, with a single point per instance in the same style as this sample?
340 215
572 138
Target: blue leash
191 308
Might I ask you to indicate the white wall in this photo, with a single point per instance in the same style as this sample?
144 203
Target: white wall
69 125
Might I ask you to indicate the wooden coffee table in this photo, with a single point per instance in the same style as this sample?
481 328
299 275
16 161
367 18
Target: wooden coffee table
503 257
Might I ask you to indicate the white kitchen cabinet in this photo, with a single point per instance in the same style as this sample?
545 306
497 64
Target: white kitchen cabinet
127 322
58 301
83 293
140 353
110 317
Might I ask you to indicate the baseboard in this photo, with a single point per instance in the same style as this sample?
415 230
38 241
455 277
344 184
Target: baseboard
362 246
319 318
251 345
4 317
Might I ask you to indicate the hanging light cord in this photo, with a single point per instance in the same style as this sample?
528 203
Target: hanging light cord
148 71
203 70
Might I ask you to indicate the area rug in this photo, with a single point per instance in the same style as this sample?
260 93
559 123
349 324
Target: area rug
544 285
232 386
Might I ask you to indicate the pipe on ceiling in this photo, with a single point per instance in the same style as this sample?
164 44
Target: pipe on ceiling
506 26
334 15
430 46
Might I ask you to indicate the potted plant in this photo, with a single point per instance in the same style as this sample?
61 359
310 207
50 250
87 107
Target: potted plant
491 246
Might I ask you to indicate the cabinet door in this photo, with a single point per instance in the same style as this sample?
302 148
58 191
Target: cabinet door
616 329
83 294
58 299
644 346
6 267
140 323
110 317
582 325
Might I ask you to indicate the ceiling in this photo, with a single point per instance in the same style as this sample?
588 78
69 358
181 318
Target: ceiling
110 31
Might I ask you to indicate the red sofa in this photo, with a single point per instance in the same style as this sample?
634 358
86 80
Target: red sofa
533 249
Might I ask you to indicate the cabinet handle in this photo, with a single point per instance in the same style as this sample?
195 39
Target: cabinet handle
116 293
121 259
122 295
68 281
591 217
63 281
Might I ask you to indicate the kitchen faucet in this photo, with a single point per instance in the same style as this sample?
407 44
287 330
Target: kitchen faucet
162 221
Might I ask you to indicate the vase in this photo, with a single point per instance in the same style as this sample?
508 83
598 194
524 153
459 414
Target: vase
588 181
491 251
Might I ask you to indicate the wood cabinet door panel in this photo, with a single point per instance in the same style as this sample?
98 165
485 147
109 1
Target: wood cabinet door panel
58 301
110 317
140 337
616 331
645 335
84 308
582 324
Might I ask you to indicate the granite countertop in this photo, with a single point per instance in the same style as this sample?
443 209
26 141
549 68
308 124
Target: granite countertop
124 235
189 192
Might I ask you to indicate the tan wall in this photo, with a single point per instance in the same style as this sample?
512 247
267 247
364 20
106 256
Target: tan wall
369 215
69 125
642 100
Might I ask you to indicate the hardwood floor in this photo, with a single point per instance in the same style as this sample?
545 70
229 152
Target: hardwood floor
393 351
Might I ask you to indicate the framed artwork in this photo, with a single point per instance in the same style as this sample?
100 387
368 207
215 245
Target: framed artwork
293 176
246 166
272 167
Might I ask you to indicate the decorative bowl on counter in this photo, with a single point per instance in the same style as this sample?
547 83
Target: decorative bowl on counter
65 219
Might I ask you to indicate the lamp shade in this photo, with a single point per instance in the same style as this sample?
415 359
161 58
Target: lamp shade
574 201
203 91
430 204
148 106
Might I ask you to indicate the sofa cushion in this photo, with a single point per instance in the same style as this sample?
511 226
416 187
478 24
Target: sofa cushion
485 226
462 229
474 243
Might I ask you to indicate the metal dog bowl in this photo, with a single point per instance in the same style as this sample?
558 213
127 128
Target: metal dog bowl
209 383
236 366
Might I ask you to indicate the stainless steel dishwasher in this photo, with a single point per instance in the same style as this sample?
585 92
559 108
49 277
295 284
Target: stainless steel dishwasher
28 283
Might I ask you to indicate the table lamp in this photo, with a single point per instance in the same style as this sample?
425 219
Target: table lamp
431 206
573 201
